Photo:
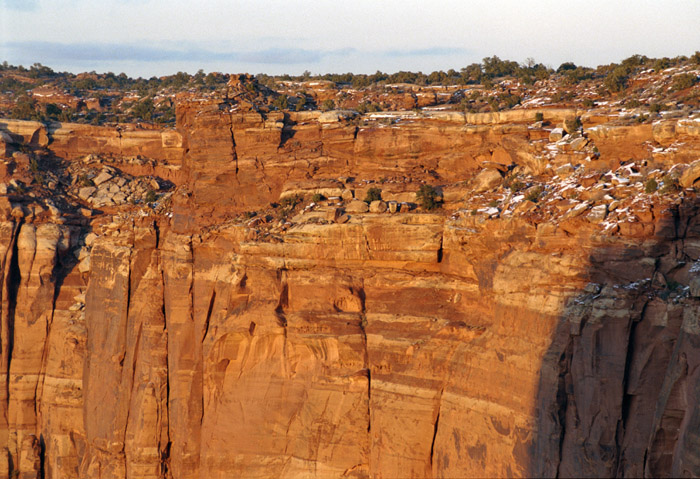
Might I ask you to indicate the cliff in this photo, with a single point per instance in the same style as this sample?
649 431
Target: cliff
543 322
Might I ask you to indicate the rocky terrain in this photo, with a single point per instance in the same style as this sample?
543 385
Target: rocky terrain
405 293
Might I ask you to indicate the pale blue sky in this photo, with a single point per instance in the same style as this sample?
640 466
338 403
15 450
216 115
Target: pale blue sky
157 37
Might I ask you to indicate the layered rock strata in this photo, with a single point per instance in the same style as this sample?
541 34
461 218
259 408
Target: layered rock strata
462 343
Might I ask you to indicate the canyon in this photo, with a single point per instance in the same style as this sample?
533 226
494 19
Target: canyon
240 311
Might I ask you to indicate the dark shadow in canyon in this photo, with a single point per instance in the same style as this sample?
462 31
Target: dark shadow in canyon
620 383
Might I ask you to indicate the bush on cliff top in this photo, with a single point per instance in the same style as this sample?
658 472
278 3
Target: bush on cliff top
373 194
427 197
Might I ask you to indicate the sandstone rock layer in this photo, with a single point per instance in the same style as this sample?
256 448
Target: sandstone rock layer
388 345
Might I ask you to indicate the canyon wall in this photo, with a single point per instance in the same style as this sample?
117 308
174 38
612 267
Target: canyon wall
201 343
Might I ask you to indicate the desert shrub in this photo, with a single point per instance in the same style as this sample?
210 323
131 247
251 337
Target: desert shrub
566 67
495 67
373 194
328 105
534 194
577 75
281 102
290 201
83 180
651 186
588 103
616 81
683 81
368 106
144 109
427 197
509 101
24 109
539 116
36 171
633 103
662 64
151 196
513 183
654 108
670 185
53 111
318 197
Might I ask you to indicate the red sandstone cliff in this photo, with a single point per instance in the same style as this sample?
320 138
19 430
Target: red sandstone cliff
536 339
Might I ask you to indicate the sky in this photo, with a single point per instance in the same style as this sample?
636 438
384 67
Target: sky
161 37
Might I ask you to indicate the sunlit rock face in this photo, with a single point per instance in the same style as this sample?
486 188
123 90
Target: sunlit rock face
541 323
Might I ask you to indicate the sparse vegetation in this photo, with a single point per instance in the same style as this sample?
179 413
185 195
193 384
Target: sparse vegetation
500 84
533 194
588 103
291 201
651 186
684 80
84 181
373 194
281 102
151 196
669 185
427 197
513 183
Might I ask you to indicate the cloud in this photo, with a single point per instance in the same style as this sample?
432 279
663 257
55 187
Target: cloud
114 52
21 5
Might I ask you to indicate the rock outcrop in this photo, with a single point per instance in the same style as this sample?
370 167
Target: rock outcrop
544 325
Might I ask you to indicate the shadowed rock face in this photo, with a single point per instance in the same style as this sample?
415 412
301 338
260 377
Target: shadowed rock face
406 345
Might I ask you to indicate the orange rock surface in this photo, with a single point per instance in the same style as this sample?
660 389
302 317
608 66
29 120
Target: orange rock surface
534 340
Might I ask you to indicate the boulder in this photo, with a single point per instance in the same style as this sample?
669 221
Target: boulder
393 206
90 239
694 285
347 195
334 214
664 131
84 265
487 179
335 116
494 165
556 134
578 144
570 125
86 192
357 206
597 214
690 175
564 171
102 177
378 206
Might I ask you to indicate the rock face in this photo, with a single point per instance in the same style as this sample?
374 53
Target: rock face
187 344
